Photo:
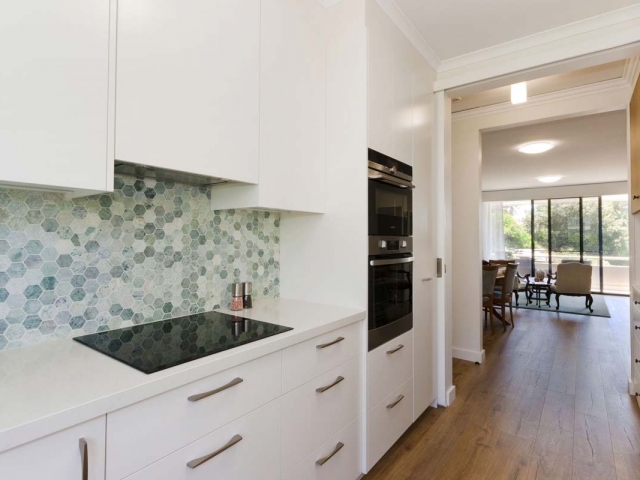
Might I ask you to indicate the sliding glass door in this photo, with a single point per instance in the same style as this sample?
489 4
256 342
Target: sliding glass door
540 234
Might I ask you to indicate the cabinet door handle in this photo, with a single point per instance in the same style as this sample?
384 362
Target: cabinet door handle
636 302
397 401
636 197
324 460
324 389
200 396
397 349
325 345
84 458
199 461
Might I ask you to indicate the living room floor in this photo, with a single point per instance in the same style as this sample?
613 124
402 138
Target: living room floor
550 402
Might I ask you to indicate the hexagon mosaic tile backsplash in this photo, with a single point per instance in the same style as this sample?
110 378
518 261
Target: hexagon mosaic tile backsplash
148 251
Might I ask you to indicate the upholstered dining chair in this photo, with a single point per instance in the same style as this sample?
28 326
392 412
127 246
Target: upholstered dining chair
489 275
572 280
503 293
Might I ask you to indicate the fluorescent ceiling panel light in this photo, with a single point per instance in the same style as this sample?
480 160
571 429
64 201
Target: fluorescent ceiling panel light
549 178
519 93
537 147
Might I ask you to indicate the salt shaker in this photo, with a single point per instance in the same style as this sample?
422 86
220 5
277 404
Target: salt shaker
248 300
236 297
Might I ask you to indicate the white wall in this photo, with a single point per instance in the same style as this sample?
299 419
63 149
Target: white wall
467 197
567 191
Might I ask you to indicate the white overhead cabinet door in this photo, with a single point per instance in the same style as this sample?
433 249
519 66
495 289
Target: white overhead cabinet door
188 86
54 94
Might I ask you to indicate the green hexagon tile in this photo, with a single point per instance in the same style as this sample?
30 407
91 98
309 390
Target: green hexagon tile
148 251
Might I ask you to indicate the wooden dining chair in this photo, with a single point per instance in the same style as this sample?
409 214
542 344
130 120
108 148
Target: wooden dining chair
489 275
503 293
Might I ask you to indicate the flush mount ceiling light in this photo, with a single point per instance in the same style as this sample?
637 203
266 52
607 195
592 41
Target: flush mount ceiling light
537 147
549 178
519 93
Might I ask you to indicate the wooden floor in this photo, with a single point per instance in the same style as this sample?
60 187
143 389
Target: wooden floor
549 402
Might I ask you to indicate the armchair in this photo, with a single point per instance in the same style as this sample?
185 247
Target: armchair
573 280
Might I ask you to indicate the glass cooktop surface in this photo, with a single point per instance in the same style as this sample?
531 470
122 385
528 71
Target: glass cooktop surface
151 347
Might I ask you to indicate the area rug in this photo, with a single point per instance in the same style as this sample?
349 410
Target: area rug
573 305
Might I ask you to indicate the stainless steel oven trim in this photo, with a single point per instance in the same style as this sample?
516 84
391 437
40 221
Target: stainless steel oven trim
382 335
391 261
390 171
389 179
378 244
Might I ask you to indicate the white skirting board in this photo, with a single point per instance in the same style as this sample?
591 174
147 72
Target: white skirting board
469 355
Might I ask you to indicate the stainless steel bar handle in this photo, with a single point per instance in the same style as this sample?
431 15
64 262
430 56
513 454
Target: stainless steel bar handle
325 345
84 458
199 461
394 261
200 396
324 460
324 389
427 279
397 401
391 180
397 349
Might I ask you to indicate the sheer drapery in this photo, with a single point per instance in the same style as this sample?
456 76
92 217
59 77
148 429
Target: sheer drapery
492 231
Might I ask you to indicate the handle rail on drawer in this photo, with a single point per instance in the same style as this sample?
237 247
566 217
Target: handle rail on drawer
199 461
324 389
200 396
397 401
84 458
324 460
325 345
397 349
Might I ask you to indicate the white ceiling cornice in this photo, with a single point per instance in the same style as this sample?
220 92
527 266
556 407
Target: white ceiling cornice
607 31
623 84
398 17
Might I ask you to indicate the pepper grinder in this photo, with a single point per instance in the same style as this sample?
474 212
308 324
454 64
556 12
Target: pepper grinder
236 296
248 301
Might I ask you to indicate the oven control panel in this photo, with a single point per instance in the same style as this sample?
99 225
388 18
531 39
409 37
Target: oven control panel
382 245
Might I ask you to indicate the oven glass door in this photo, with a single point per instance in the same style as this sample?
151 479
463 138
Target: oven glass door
390 296
390 210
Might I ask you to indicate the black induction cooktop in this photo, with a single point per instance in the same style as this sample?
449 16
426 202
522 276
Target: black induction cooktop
156 346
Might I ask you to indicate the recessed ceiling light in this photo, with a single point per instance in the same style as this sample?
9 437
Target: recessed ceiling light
519 93
537 147
549 178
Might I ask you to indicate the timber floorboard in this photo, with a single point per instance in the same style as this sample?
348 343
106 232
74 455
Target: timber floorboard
549 402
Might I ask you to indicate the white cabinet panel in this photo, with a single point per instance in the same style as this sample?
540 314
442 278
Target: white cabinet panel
54 94
58 456
307 360
388 421
344 462
254 456
403 103
147 431
388 366
311 417
188 78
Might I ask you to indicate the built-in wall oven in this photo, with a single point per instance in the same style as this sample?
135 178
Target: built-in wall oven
390 249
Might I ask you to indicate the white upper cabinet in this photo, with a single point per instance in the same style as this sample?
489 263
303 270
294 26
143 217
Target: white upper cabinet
56 99
188 86
292 112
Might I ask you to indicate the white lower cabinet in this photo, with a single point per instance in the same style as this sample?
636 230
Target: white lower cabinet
388 367
388 421
246 449
60 456
317 410
337 459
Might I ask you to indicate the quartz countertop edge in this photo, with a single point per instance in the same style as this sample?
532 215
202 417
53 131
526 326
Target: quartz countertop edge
55 385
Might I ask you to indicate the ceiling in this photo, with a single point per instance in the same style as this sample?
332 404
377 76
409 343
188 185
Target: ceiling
458 27
589 149
540 86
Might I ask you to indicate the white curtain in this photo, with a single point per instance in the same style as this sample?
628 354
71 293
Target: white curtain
493 231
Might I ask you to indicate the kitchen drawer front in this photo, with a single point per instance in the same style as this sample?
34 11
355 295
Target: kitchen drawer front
344 464
58 456
254 456
388 421
147 431
310 418
635 355
388 367
307 360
